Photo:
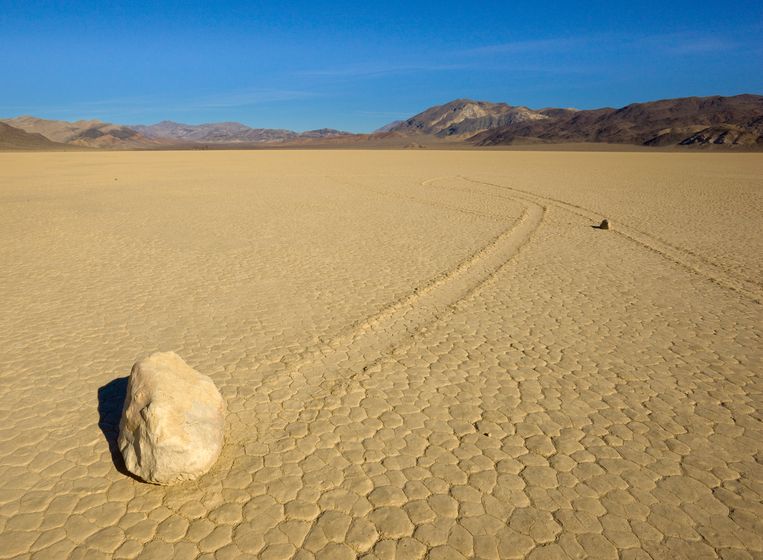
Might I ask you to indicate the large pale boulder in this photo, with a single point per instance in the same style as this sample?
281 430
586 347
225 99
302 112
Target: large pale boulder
173 421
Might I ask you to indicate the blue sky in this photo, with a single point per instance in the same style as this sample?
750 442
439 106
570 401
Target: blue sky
357 65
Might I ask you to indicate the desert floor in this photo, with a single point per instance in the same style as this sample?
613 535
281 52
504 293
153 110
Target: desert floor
424 354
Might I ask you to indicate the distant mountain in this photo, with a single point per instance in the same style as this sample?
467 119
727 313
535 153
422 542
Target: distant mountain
735 121
324 133
688 121
92 133
12 138
463 118
213 133
227 133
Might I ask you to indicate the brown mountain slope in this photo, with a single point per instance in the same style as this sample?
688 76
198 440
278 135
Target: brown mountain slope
92 133
463 118
717 120
12 138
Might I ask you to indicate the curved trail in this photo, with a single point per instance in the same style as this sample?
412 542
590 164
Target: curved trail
318 371
694 263
327 373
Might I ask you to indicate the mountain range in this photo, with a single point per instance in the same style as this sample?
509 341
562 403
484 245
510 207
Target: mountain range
227 132
729 121
735 121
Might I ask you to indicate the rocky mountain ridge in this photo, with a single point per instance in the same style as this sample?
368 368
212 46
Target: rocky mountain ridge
463 118
715 121
87 133
227 133
688 121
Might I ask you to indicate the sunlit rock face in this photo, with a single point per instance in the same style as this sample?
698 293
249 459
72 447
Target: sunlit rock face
173 422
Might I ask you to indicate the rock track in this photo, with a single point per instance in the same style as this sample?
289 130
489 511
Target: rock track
750 288
368 340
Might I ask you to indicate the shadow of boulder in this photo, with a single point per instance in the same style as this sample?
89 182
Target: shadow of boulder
111 399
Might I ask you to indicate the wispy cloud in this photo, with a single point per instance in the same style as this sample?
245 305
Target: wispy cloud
679 43
127 107
245 98
374 69
688 43
543 56
531 46
369 71
93 107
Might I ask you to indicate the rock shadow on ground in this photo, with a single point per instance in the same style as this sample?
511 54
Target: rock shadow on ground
111 399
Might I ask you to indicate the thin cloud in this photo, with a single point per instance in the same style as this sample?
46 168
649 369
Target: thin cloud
245 98
371 70
689 43
531 46
93 106
679 43
129 108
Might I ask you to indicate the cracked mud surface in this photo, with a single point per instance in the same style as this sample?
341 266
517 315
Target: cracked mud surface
424 355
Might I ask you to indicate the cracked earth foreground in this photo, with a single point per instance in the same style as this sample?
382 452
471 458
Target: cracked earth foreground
424 354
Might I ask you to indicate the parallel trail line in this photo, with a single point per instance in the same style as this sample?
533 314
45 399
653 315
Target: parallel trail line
321 370
685 258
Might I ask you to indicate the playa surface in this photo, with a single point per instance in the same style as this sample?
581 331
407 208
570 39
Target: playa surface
424 354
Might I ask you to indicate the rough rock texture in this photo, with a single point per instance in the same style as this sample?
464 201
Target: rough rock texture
688 121
173 421
464 117
604 224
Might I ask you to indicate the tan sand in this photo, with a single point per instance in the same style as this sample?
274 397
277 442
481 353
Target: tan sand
424 354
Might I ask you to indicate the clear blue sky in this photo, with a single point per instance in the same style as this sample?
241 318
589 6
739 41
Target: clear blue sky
357 65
